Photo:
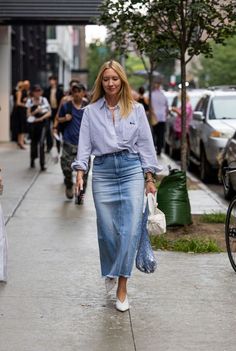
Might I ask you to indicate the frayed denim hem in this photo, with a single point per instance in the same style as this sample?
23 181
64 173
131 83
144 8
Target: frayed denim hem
116 276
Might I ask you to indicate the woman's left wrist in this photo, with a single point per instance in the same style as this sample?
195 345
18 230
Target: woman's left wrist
150 181
150 178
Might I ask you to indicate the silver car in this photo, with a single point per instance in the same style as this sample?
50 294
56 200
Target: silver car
213 123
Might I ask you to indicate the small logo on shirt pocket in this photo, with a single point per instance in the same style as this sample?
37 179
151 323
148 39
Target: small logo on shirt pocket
129 130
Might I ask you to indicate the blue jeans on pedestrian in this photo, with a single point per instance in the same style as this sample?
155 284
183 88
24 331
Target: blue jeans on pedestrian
118 192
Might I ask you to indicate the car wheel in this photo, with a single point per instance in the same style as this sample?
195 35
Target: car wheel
190 165
174 153
171 151
228 188
205 168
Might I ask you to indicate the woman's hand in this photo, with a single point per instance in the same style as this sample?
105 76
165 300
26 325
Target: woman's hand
79 186
174 109
150 188
150 183
37 120
37 110
68 117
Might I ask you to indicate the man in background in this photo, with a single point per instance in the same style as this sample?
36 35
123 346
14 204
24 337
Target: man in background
54 95
69 119
160 112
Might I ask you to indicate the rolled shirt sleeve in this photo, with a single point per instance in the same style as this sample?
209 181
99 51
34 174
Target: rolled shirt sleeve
145 144
84 145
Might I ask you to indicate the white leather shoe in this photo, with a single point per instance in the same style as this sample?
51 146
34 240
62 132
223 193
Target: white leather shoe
122 306
110 283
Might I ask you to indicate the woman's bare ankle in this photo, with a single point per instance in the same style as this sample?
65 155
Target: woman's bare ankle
121 294
122 289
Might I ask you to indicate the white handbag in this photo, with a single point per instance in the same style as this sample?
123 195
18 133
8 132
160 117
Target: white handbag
156 223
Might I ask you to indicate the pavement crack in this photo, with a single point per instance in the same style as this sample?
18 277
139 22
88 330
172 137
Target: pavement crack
22 197
132 331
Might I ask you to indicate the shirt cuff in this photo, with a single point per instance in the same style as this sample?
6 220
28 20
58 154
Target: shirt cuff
78 166
153 170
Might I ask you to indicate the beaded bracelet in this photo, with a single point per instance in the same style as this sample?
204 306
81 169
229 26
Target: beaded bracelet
150 181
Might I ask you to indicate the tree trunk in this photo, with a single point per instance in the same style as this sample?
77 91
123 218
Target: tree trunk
183 116
150 92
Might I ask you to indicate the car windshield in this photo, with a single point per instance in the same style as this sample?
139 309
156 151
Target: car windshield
194 100
170 100
223 107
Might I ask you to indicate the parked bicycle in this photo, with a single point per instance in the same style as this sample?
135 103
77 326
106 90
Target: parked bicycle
230 223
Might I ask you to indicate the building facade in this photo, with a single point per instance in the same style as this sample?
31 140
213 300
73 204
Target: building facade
28 54
19 57
60 52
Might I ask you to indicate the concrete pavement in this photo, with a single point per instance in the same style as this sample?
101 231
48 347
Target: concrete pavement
55 299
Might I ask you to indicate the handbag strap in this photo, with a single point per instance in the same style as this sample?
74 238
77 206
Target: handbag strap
152 204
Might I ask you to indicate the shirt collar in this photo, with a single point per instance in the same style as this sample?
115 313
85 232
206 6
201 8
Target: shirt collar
102 103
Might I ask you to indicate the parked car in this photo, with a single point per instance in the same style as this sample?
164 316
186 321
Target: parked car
228 159
213 123
172 141
170 95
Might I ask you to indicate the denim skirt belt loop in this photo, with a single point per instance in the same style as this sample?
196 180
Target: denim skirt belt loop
118 188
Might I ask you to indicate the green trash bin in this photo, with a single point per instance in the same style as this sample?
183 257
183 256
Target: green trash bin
173 200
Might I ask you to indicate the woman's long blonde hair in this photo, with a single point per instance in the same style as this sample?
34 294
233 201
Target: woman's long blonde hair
126 100
20 85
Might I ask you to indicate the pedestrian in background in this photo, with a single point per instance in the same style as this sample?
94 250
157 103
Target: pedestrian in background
27 86
53 94
66 98
13 121
38 112
159 112
178 121
19 113
69 119
115 129
142 99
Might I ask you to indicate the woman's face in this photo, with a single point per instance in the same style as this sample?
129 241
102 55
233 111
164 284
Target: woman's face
111 82
37 94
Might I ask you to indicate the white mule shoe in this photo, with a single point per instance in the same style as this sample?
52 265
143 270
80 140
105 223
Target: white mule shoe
110 283
122 306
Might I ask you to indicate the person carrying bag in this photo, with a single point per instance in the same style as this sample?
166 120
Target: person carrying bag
115 130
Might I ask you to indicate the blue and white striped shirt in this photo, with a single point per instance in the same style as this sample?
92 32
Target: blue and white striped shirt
99 135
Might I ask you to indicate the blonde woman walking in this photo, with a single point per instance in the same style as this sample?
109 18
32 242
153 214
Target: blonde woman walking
115 129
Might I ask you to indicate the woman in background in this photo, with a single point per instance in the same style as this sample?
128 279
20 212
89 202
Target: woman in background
178 120
20 113
40 110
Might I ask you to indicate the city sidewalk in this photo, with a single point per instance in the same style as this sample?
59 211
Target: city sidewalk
55 299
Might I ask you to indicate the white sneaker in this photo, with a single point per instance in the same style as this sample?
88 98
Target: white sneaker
122 306
110 283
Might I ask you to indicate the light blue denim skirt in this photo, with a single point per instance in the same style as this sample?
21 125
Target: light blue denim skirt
118 189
